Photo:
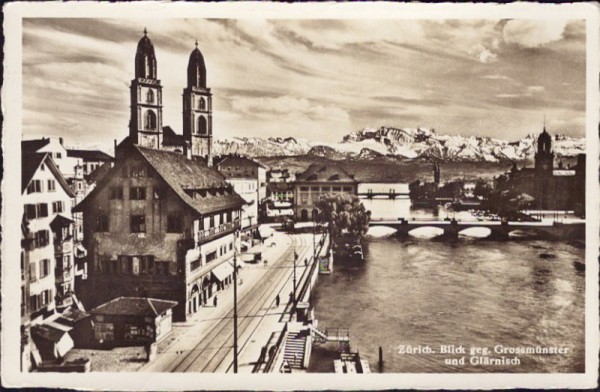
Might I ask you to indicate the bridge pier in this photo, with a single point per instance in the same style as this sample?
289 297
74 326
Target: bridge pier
451 231
500 233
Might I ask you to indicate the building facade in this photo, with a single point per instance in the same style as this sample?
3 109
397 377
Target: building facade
47 201
249 180
316 181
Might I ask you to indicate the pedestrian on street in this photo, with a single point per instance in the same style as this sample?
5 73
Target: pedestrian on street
277 301
215 301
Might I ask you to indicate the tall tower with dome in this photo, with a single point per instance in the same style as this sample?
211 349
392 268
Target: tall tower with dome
197 109
145 124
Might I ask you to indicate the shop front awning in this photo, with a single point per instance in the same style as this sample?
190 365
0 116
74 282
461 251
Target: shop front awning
222 271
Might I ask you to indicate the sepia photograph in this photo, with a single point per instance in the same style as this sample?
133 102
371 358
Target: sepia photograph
344 196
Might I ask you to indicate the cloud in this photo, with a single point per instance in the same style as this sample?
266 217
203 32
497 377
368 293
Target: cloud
535 89
485 56
534 33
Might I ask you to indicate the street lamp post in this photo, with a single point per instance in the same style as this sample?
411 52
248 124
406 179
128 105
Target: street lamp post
294 280
235 315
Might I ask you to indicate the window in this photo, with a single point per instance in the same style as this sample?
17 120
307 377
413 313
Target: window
34 186
137 193
174 224
326 189
228 216
102 224
150 96
32 272
201 125
44 268
137 171
51 185
304 188
31 211
211 256
58 207
347 189
124 265
194 265
58 155
160 193
138 223
116 193
150 120
202 104
34 303
41 210
314 188
41 238
46 297
304 198
212 221
336 189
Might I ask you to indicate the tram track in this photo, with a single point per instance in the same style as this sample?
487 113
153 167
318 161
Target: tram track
248 305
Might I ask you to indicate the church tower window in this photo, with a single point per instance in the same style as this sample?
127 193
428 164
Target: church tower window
201 125
150 96
150 121
202 104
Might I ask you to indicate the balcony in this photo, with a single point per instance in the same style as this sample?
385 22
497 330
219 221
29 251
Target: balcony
63 275
62 247
216 232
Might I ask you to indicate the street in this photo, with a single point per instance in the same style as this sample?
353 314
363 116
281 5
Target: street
207 345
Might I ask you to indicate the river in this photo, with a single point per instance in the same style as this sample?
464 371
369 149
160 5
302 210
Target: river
472 292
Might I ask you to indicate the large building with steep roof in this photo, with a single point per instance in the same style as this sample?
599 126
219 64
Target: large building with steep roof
318 180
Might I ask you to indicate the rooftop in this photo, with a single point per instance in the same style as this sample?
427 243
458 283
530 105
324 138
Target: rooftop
134 306
184 176
89 155
319 172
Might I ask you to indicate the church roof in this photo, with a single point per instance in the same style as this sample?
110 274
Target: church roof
145 45
170 138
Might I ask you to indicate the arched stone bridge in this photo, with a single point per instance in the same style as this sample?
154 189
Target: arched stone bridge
498 229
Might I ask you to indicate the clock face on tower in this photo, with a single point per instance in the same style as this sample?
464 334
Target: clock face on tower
545 166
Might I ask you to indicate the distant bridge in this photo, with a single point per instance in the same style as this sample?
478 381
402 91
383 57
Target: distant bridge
574 229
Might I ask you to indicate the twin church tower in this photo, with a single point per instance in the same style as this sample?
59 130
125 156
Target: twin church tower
146 123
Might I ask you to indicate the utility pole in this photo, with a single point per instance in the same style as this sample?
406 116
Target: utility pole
294 281
235 315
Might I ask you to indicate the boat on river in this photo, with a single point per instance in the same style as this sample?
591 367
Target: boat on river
351 363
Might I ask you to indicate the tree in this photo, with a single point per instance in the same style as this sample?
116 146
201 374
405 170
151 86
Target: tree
344 215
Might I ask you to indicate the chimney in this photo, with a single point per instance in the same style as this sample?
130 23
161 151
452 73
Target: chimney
60 139
115 146
187 150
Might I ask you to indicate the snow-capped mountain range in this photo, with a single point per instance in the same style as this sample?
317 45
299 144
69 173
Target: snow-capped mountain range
403 143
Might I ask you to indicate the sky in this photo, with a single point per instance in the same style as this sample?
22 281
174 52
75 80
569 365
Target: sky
311 78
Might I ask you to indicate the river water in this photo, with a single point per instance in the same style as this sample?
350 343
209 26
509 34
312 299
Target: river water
476 293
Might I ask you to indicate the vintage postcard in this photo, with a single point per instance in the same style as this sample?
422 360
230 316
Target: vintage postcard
300 196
